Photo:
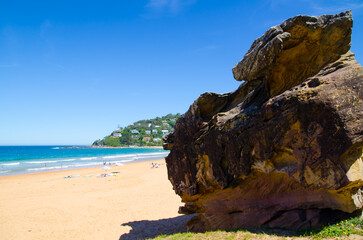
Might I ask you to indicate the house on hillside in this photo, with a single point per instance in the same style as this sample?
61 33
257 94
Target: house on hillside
146 139
148 132
149 125
134 131
157 139
164 132
116 134
155 131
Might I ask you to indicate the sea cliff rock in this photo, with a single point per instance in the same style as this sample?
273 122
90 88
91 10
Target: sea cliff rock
285 148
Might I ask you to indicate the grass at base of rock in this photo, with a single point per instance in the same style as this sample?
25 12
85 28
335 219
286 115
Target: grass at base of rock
347 229
343 228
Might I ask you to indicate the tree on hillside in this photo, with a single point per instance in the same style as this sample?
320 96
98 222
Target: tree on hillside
126 137
112 141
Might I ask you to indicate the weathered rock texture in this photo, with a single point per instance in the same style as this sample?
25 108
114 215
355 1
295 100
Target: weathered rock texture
284 149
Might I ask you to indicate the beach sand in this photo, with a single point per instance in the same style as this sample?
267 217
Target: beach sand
140 203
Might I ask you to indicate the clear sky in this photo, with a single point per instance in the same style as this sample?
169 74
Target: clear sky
72 71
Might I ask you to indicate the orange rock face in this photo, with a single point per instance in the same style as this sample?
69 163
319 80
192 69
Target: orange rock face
284 149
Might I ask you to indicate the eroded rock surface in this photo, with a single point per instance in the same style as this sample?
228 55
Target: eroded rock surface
284 149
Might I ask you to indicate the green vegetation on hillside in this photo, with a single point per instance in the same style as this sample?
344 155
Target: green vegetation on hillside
141 133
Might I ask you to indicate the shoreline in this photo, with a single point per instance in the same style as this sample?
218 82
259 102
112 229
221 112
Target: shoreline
137 203
49 159
110 147
79 168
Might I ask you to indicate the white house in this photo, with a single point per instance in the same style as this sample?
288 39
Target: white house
164 132
155 131
116 134
147 131
157 139
134 131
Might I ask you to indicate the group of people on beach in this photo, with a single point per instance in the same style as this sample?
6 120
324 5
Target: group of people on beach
154 165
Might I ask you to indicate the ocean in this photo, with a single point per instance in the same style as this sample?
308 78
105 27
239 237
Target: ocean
33 159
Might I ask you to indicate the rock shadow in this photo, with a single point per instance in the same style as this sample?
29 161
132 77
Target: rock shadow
152 228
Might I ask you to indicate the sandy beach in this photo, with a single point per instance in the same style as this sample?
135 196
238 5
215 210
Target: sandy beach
136 204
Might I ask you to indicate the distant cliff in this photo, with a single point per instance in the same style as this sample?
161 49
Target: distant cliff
141 133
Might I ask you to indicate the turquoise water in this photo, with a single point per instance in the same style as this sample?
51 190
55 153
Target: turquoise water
32 159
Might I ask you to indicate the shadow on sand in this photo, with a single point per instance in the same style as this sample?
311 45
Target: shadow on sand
153 228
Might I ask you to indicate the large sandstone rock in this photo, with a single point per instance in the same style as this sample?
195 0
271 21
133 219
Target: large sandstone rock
284 149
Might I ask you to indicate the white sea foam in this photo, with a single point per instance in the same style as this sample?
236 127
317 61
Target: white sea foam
46 168
10 164
135 156
88 158
111 157
119 156
55 148
126 161
153 155
67 160
40 162
146 155
35 169
4 172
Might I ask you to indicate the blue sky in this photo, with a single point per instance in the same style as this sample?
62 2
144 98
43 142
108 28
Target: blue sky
72 71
